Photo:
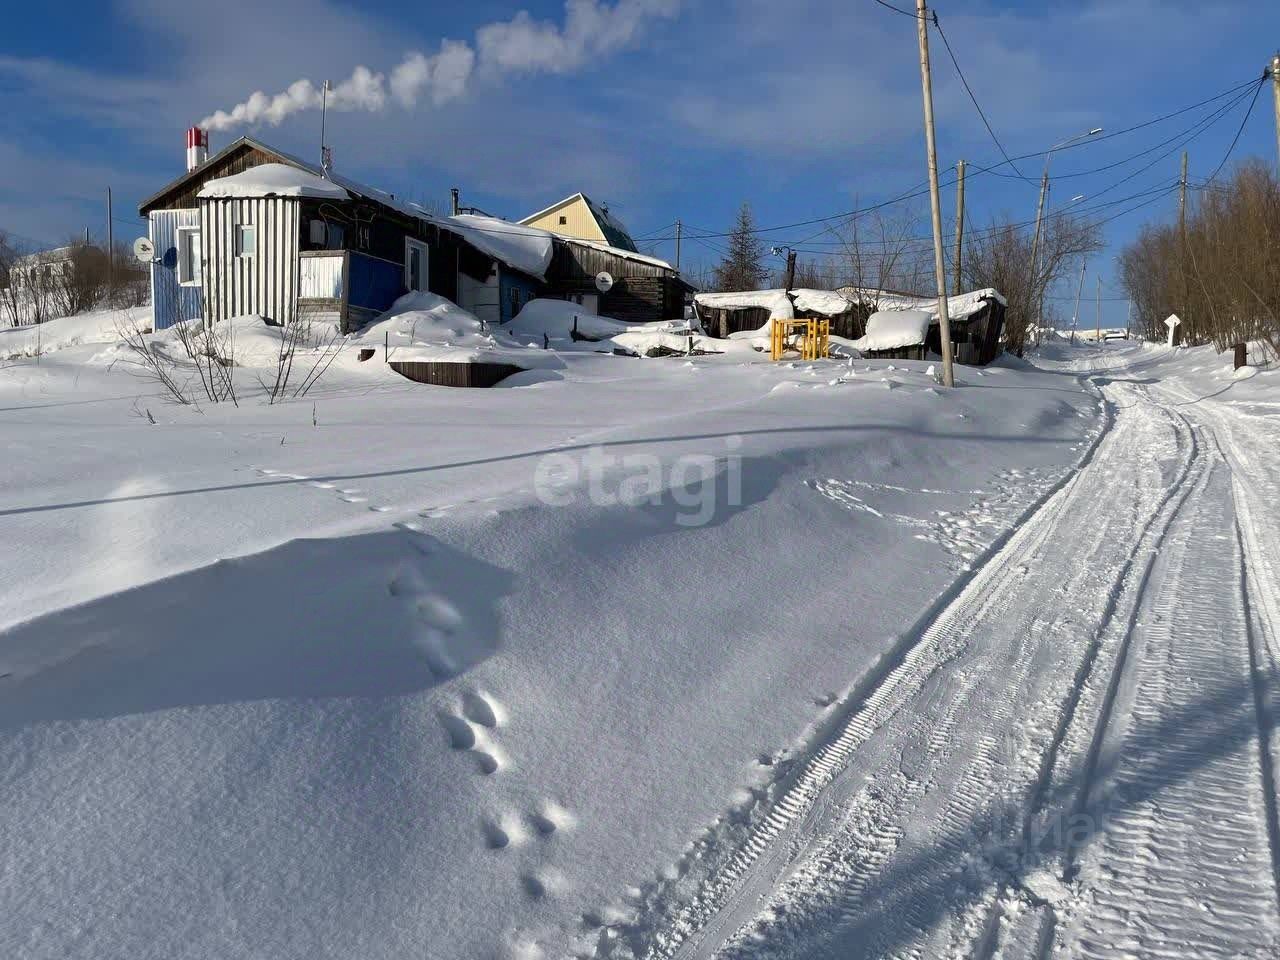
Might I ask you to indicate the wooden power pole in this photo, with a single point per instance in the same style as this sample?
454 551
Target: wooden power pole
1182 238
1035 250
679 237
1098 335
957 287
935 200
1275 83
111 250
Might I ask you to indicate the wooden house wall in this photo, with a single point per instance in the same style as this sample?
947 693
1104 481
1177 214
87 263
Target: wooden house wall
641 293
265 283
171 301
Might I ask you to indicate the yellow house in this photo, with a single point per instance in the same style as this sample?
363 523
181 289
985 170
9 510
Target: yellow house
577 216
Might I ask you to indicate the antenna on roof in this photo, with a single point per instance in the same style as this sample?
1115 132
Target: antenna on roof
326 156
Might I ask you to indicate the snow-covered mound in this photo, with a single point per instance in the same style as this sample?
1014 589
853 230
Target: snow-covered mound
273 180
555 318
892 329
96 326
426 327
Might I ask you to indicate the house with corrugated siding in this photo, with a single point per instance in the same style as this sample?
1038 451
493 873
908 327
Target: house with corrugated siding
253 229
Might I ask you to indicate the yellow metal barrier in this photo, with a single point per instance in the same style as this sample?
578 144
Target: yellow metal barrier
814 338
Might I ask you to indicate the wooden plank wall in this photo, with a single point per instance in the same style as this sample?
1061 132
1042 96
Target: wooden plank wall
443 374
267 282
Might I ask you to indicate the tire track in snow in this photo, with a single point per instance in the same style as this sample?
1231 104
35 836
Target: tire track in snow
1183 864
730 894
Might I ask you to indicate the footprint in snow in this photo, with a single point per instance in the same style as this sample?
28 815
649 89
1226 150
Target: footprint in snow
470 730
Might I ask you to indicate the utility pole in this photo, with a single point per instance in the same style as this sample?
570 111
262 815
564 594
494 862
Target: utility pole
679 237
1035 248
791 269
1098 335
1182 235
935 200
1275 83
957 289
111 251
1128 320
1075 318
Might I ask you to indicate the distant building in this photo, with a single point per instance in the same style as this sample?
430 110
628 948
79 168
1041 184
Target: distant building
578 216
46 266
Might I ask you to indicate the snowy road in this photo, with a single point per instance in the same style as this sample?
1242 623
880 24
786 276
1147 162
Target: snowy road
1074 756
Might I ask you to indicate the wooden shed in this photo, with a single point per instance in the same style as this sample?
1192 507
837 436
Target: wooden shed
976 320
722 314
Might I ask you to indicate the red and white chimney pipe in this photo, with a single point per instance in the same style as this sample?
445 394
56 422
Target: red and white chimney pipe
197 147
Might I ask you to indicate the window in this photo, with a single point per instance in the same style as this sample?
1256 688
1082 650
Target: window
189 256
515 301
415 264
318 233
336 236
563 220
246 240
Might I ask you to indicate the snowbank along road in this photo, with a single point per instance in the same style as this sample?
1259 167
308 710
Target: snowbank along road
1074 757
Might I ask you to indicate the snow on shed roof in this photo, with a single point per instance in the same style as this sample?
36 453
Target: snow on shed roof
826 302
273 180
959 307
892 329
775 301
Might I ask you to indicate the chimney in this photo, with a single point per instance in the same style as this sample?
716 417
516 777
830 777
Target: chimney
453 196
197 147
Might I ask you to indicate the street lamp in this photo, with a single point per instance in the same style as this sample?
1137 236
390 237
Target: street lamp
1044 190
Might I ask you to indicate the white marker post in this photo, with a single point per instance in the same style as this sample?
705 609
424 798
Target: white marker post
1172 323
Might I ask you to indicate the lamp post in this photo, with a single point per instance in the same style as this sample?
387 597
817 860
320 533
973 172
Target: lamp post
1044 190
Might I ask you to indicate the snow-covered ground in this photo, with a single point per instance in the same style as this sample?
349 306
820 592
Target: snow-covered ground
634 657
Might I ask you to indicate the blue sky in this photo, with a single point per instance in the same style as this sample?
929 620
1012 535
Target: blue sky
662 108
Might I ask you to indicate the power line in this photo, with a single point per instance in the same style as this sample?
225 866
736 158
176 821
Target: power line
969 90
1236 139
906 13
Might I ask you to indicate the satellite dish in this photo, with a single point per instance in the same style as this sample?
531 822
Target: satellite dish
144 249
604 281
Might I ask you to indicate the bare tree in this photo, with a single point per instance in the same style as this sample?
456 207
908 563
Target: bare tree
999 256
1223 278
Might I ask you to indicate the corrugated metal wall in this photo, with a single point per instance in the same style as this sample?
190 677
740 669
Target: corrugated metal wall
265 283
170 300
321 275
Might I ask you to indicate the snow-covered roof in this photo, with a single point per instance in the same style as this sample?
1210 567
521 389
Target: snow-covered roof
617 251
892 329
526 249
775 301
959 307
826 302
273 180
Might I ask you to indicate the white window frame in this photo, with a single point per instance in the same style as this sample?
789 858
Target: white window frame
189 268
409 245
246 250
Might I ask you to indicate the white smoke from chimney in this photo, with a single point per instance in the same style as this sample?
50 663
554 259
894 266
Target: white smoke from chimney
592 28
445 76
